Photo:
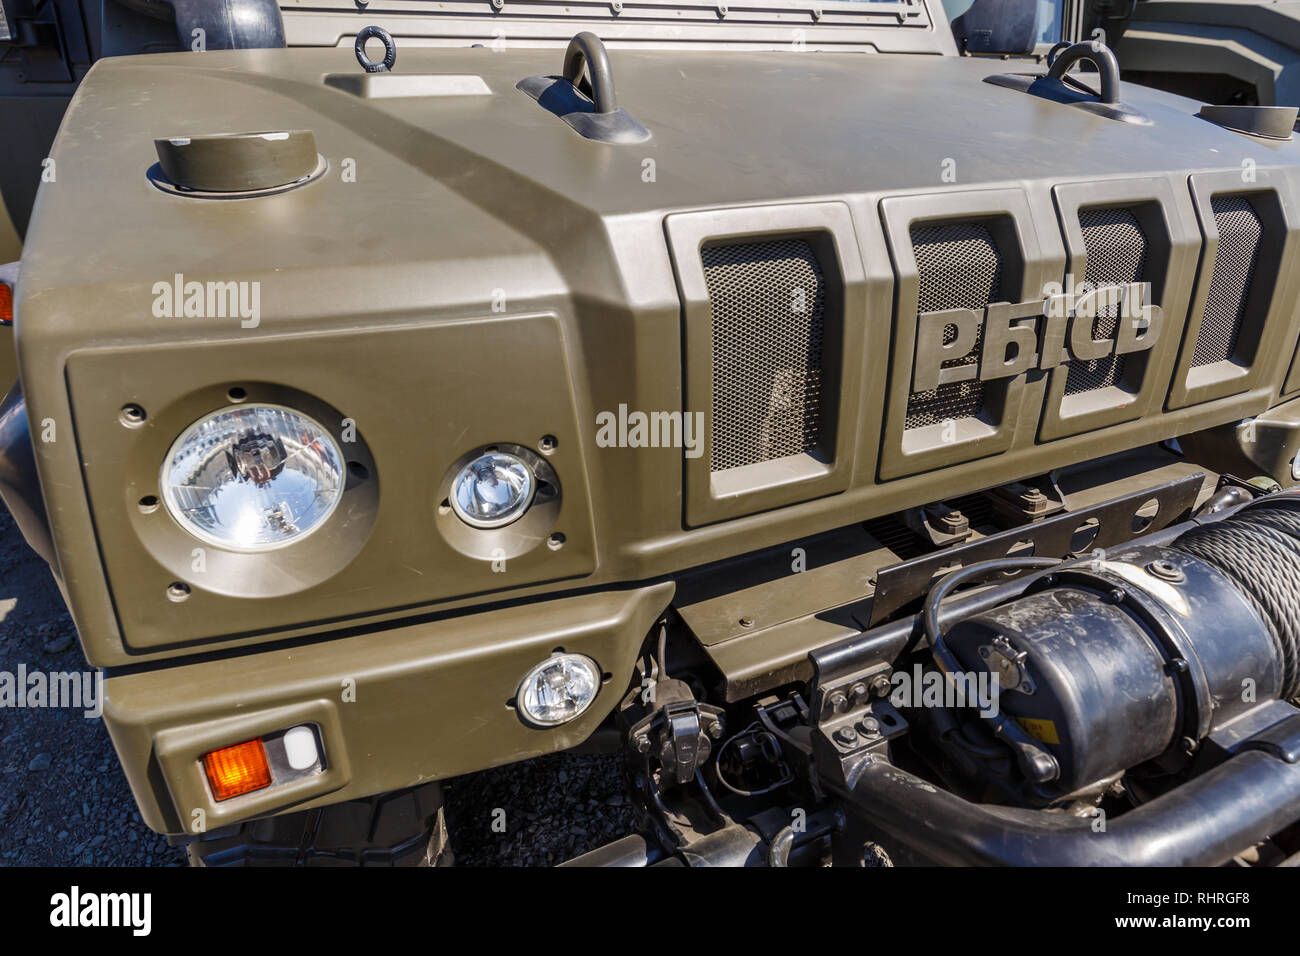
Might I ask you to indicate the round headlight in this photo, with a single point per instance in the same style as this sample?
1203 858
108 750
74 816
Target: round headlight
253 477
558 689
492 490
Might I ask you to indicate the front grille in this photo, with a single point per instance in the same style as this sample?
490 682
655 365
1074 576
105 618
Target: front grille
1117 254
958 267
768 302
1234 268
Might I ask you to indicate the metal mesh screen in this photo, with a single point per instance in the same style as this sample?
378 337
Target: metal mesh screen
1234 268
768 301
958 267
1117 254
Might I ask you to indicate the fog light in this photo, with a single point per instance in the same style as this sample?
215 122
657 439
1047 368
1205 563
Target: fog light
558 689
492 490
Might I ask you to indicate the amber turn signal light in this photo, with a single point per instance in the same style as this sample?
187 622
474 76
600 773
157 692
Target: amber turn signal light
233 771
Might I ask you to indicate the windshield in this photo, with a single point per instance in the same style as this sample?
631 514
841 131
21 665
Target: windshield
1049 16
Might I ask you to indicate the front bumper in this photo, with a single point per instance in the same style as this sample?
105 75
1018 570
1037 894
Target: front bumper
392 708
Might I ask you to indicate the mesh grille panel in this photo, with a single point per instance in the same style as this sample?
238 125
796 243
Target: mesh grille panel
1117 253
958 267
1234 267
768 301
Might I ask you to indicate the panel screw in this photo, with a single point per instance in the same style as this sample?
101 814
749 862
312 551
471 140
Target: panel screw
177 592
132 415
498 4
846 736
722 11
746 622
617 6
817 13
1166 571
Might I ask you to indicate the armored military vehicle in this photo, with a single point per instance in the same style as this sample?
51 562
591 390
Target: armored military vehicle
886 450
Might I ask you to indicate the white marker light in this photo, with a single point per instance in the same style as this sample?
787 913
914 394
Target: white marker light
300 748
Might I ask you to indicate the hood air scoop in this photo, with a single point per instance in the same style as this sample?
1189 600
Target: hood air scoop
236 165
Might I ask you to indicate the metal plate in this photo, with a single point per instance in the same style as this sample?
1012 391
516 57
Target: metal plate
1118 522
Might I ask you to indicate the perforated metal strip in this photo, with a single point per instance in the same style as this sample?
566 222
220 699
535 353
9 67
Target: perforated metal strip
958 267
768 301
1230 279
1117 254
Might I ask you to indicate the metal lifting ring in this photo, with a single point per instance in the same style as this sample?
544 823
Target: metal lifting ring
1101 57
587 49
390 50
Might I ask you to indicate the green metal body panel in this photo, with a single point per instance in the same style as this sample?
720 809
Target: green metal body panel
1255 43
470 271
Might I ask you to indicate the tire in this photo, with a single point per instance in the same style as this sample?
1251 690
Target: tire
398 828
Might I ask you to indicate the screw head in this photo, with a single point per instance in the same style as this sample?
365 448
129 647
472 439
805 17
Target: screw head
839 703
746 622
871 726
1166 571
880 685
846 736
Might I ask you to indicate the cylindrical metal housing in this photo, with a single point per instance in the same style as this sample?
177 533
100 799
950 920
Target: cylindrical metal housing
1115 661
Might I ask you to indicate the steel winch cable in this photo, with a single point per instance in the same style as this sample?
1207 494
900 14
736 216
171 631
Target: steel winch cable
1258 549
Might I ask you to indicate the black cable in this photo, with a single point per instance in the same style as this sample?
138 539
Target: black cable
1258 549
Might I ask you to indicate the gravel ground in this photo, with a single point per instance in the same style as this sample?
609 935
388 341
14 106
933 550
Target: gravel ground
64 801
537 813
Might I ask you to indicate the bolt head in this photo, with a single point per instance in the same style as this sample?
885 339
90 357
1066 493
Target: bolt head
880 685
846 736
838 702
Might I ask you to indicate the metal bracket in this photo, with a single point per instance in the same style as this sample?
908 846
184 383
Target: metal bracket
1009 664
1117 522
